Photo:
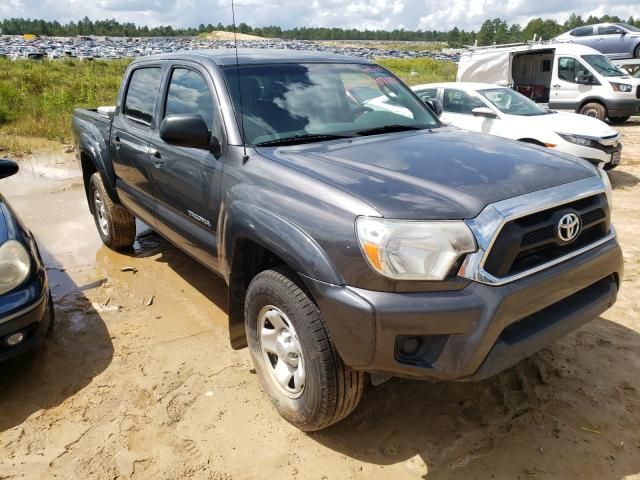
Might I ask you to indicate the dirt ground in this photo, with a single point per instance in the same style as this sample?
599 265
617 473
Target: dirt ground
138 380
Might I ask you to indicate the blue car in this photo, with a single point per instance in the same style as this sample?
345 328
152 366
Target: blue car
26 309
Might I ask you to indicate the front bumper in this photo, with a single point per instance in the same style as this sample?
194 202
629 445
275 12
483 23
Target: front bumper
27 309
472 333
598 156
626 107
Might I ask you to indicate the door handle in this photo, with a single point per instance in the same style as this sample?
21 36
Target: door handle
557 86
117 143
157 157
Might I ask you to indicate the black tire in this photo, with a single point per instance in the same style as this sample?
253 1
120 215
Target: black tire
636 52
595 110
610 166
116 226
331 390
618 120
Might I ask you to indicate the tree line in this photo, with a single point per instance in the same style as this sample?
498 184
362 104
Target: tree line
492 31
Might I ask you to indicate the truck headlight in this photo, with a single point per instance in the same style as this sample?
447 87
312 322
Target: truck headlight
15 265
621 87
577 139
413 250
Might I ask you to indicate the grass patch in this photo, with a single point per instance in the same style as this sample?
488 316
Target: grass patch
420 70
37 98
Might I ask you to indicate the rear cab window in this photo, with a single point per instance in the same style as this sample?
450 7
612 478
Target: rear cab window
142 91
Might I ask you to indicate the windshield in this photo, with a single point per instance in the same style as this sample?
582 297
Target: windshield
319 100
626 26
603 66
511 102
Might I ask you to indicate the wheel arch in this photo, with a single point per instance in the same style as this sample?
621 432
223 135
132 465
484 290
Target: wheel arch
254 239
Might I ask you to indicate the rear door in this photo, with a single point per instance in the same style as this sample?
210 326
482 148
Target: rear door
187 180
131 131
584 36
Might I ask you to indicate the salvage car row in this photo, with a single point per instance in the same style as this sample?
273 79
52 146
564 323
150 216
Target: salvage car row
89 48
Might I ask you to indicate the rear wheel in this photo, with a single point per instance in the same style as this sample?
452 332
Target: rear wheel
116 226
617 120
636 52
293 354
595 110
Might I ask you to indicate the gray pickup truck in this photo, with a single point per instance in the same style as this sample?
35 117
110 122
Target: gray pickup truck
357 234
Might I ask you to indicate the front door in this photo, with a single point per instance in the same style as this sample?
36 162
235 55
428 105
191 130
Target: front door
457 110
187 180
611 40
566 92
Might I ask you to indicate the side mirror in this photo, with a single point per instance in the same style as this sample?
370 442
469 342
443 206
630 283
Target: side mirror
434 105
484 112
8 168
185 131
585 79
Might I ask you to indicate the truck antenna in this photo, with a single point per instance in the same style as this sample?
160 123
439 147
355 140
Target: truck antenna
235 41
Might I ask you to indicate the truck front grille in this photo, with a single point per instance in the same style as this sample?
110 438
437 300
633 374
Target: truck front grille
530 241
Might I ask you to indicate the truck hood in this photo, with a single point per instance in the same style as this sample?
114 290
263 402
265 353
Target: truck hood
561 122
445 173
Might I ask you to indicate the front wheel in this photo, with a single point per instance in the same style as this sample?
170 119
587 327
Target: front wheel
293 354
595 110
116 226
636 52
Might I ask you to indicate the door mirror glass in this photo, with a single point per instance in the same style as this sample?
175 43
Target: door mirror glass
185 131
434 105
483 112
8 168
584 78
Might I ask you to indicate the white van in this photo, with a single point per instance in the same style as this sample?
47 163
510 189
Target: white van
563 76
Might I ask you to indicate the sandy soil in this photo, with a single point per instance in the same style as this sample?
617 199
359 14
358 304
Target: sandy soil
138 380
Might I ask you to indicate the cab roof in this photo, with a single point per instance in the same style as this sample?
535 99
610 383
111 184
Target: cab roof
225 57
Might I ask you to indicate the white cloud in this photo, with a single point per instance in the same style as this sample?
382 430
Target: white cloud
371 14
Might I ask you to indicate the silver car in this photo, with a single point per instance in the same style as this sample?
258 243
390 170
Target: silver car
615 40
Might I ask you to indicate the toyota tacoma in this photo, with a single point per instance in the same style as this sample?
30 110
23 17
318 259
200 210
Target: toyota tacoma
356 238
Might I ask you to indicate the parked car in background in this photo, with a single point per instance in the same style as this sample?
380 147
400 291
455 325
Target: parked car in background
562 76
354 239
501 111
26 309
615 40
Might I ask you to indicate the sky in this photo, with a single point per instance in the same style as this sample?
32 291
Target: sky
371 14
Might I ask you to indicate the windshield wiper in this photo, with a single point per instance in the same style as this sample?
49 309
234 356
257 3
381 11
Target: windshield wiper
390 129
300 139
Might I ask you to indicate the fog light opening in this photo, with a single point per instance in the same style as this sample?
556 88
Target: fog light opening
14 339
410 345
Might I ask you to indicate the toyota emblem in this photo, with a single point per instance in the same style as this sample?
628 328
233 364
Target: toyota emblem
569 227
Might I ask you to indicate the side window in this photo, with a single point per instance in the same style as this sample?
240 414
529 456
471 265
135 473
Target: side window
569 69
610 30
140 100
427 93
582 32
189 93
458 101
